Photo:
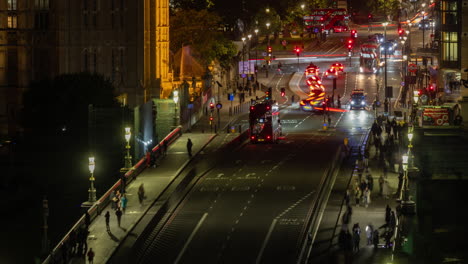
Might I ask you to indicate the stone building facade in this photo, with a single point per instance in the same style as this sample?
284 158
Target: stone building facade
126 41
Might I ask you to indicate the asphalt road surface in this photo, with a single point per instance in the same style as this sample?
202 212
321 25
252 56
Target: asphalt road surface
252 204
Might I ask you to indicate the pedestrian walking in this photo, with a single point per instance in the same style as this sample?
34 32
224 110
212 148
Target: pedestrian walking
189 147
141 194
90 256
369 233
123 203
388 211
118 213
357 195
370 181
356 240
107 216
366 197
381 184
375 238
392 222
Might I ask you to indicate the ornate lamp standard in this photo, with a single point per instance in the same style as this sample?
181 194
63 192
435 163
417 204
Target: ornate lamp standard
91 190
256 42
176 101
128 158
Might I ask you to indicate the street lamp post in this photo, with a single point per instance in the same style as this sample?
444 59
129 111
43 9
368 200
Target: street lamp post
424 28
385 60
92 190
128 158
256 43
243 59
268 45
176 101
248 57
303 25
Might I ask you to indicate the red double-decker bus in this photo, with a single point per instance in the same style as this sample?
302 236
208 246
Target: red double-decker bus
327 20
264 122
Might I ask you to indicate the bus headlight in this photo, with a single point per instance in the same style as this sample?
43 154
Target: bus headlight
352 102
363 103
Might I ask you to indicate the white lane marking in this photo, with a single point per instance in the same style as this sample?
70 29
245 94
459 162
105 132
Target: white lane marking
190 238
265 241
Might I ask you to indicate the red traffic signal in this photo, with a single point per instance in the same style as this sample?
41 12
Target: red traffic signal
211 118
350 44
431 88
269 49
401 31
420 92
283 92
369 16
297 50
211 106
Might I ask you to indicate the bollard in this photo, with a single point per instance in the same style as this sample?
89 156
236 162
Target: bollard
216 129
325 126
227 129
240 128
233 129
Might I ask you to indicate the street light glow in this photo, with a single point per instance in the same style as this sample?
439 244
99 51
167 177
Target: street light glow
302 6
91 164
267 10
176 96
256 31
268 25
128 134
384 24
410 136
249 36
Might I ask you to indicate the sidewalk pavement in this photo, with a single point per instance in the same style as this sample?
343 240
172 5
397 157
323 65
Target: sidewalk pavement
325 249
155 181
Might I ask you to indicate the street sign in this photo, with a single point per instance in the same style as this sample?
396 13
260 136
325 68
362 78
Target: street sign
231 97
412 67
402 83
219 105
190 106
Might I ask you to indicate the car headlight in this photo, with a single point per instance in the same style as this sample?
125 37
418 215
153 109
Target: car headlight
352 102
363 103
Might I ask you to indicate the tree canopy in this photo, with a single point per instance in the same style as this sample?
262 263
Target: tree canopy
200 29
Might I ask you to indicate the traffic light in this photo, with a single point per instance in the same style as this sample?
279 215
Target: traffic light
350 44
212 106
431 88
420 92
283 92
269 50
369 16
297 50
268 94
353 33
401 32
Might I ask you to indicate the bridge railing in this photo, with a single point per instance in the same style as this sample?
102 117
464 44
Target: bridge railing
104 200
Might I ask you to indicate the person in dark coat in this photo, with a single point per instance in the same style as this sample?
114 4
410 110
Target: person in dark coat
118 213
387 214
375 238
189 147
356 240
107 216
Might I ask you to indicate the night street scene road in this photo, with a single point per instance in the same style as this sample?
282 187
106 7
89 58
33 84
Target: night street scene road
189 131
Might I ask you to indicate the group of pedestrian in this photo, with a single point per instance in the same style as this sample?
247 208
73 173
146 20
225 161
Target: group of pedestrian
119 205
75 246
363 189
